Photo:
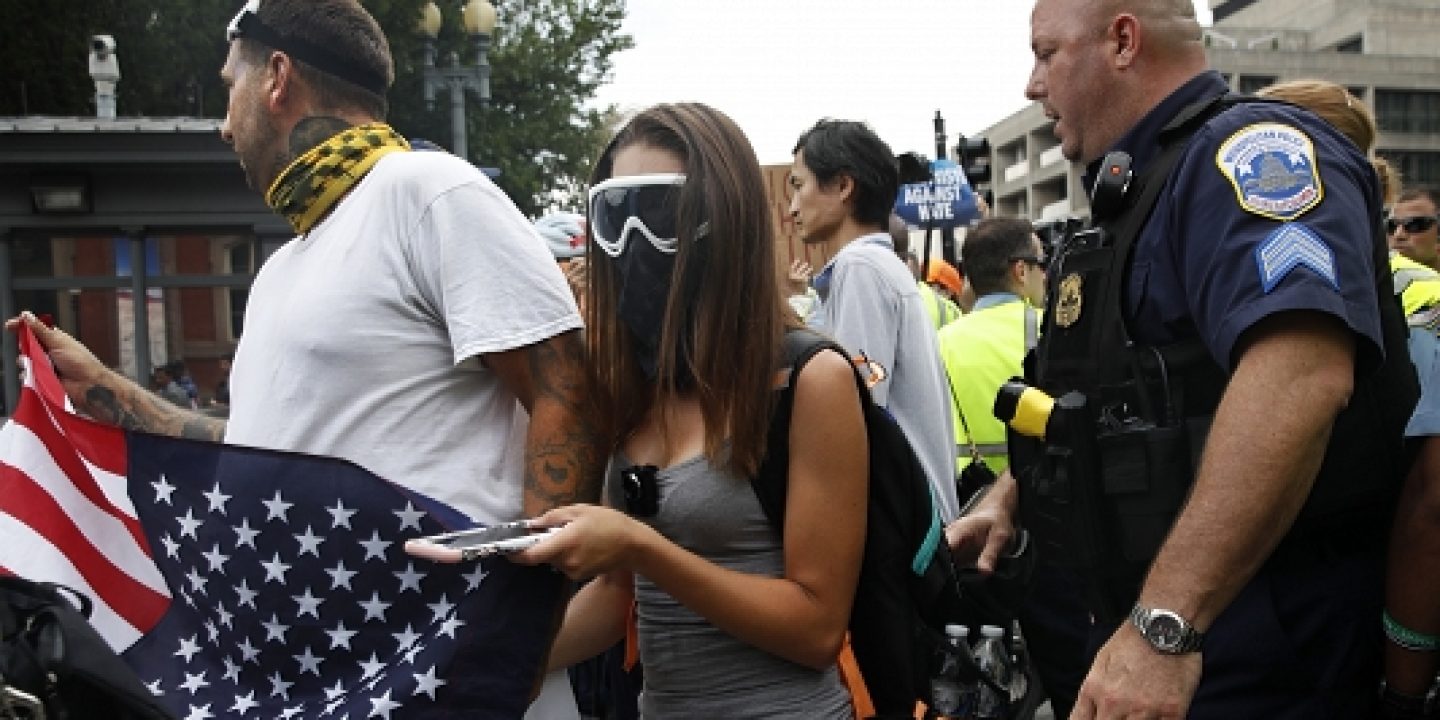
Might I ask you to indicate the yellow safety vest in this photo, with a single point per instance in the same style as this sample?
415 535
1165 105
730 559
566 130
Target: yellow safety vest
1417 285
981 351
941 309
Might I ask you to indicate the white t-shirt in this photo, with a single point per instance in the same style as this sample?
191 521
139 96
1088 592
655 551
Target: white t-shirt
362 339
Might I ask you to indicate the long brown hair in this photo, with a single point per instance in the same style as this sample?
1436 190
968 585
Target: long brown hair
1334 104
734 319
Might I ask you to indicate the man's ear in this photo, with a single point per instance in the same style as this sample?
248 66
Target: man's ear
1017 273
845 186
1125 37
281 79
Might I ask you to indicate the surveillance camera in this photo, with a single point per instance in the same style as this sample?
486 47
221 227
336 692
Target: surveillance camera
102 44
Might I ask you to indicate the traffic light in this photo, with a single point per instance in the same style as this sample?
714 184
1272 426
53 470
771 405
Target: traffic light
974 154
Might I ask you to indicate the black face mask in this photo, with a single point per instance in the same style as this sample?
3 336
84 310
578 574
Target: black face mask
646 275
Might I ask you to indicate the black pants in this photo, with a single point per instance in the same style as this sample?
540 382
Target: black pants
1056 625
1302 640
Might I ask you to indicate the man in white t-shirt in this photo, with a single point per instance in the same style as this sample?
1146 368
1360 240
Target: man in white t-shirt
416 325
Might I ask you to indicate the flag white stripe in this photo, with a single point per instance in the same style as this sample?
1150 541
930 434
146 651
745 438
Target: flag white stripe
31 556
26 453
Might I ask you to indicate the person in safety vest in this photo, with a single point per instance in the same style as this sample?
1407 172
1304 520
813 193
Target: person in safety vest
1006 265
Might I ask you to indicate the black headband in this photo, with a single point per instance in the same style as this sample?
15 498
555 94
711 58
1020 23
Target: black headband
248 25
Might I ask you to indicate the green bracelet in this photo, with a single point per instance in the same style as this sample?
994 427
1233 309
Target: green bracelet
1407 638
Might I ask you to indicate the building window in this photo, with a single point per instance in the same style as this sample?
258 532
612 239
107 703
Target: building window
1408 111
1417 167
1250 83
1351 45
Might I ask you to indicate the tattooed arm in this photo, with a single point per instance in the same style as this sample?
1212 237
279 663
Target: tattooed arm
563 454
110 397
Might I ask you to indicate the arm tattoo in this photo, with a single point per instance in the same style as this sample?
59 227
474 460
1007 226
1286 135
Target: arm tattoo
132 408
312 131
564 455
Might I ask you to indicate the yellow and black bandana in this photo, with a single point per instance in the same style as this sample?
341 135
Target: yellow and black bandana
315 181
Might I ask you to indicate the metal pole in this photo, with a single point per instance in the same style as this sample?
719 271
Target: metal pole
9 351
140 300
457 114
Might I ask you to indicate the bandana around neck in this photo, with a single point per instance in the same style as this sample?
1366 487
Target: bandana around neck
315 181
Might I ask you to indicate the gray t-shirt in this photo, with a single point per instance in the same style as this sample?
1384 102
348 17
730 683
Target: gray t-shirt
869 304
692 668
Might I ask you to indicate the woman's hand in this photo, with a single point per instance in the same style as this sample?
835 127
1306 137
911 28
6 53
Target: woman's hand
594 540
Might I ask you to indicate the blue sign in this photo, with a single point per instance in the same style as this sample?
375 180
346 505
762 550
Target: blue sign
945 201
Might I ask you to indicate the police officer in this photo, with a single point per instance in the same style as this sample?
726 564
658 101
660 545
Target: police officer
1261 244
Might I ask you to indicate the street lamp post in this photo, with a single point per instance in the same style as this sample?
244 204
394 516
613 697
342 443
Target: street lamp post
457 78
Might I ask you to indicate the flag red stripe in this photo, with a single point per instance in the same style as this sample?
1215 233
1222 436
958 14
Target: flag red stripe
102 445
33 416
28 503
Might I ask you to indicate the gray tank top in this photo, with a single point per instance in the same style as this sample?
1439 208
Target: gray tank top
692 668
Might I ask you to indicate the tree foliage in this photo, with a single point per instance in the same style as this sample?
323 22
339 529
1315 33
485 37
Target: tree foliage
547 59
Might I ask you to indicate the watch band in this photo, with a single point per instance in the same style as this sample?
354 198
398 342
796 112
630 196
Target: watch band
1166 630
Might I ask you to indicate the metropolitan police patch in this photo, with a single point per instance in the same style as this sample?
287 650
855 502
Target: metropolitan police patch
1272 168
1289 247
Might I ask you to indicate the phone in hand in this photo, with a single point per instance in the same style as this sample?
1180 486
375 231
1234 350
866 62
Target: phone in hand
467 545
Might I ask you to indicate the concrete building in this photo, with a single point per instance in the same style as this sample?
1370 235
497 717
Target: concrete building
1385 51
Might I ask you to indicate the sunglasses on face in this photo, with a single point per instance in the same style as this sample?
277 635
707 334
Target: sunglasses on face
1417 224
648 203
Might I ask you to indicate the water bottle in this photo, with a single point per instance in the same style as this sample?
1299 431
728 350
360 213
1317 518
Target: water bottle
949 695
993 659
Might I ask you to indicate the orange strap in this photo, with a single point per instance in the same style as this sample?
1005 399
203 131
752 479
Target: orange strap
850 675
632 637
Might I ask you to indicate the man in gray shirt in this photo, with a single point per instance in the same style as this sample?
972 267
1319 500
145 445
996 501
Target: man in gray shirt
843 183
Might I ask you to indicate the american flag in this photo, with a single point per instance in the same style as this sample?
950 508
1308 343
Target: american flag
245 583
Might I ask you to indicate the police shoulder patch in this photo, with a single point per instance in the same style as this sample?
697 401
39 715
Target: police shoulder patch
1294 245
1272 168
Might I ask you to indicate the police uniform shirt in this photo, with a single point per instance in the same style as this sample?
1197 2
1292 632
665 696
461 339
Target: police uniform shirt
1268 210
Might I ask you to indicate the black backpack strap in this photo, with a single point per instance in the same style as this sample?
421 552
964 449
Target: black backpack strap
772 480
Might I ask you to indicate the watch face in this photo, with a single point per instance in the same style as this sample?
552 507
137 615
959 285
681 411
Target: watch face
1166 630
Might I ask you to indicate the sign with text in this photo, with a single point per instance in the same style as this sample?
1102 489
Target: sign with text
945 201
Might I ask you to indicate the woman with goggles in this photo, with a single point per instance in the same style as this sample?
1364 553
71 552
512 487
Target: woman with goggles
685 321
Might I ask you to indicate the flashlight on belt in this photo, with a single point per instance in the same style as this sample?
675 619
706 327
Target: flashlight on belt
1027 410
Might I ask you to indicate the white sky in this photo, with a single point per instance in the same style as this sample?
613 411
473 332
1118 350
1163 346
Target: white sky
777 66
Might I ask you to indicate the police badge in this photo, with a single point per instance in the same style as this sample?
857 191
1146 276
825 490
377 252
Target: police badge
1070 300
1272 168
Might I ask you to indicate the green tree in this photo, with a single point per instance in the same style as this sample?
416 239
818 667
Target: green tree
547 59
170 54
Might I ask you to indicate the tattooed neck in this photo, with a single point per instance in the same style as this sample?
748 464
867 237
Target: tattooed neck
312 131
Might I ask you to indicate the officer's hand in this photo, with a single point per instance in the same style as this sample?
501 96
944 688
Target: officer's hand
979 537
1131 680
78 368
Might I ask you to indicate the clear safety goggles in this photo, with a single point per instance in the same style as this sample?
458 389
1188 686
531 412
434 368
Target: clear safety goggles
648 203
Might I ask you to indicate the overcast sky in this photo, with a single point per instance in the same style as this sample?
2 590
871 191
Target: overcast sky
777 66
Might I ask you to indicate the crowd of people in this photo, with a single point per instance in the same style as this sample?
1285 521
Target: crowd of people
1234 335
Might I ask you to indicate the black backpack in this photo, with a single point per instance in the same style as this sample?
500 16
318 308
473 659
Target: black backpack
53 662
908 585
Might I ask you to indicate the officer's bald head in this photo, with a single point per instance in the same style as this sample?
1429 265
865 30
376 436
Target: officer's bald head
1170 25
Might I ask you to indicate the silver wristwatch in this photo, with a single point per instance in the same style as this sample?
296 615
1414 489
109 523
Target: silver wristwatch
1166 631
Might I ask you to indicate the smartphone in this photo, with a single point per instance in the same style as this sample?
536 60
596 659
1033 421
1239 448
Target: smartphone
466 545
